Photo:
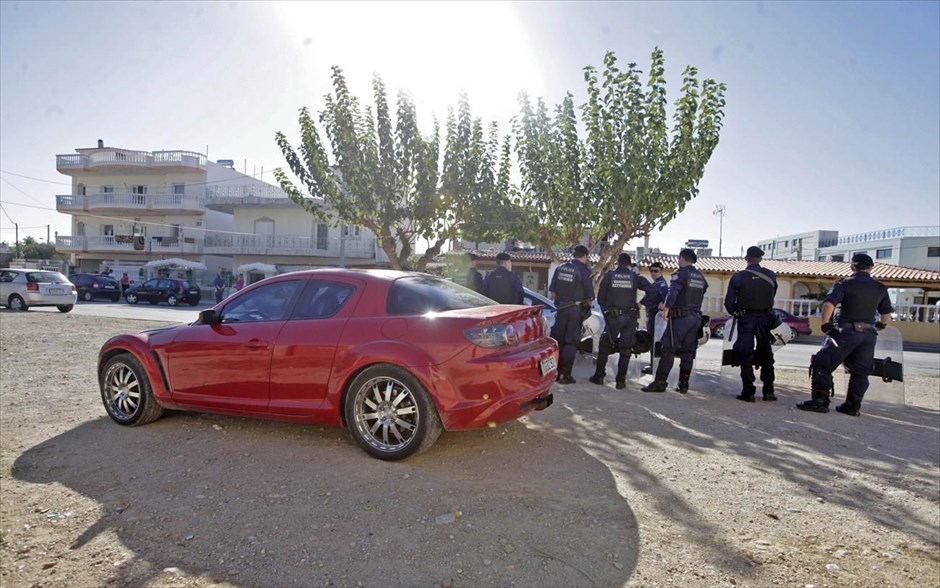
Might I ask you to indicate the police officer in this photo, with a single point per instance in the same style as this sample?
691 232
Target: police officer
750 298
851 338
652 299
682 310
617 297
571 288
501 284
474 277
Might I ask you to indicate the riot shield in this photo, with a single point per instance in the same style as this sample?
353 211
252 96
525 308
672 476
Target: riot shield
697 381
886 383
729 377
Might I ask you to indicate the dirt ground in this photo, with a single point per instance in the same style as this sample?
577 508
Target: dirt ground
604 488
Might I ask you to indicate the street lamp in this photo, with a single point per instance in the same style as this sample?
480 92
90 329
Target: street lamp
720 211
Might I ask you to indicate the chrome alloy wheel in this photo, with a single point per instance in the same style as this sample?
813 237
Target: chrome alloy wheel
121 391
386 414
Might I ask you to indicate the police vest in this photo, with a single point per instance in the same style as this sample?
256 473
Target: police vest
756 292
499 286
693 293
621 291
861 299
569 286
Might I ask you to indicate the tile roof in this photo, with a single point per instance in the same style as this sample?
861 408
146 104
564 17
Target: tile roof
832 270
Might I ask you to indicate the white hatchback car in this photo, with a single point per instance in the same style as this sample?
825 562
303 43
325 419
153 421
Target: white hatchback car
591 328
22 288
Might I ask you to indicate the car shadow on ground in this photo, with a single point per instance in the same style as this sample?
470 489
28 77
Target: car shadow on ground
261 503
829 456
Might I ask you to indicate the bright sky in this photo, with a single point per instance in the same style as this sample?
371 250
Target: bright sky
832 122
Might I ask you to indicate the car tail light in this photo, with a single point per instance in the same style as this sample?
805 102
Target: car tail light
94 285
32 287
492 336
73 287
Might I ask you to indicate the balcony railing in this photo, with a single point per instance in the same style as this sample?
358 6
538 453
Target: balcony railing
125 157
131 201
363 248
245 191
157 245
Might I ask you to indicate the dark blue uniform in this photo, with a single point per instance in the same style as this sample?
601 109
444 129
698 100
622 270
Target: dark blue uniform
684 300
654 296
571 284
617 298
852 342
474 280
750 298
503 286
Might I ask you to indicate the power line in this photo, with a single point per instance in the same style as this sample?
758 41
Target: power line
18 190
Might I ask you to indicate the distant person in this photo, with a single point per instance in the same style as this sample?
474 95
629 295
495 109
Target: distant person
219 285
240 282
651 301
474 277
501 284
851 339
750 299
125 283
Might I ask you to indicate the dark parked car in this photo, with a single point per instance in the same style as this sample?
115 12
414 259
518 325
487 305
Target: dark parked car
169 290
394 357
798 325
91 286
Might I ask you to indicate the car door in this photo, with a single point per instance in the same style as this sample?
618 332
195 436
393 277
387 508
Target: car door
306 347
226 366
148 290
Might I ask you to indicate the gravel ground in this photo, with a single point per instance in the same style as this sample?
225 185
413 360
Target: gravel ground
604 488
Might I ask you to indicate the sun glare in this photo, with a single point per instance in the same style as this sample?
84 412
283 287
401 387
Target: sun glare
433 50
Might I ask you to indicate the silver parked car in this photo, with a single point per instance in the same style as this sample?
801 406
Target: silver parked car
591 328
22 288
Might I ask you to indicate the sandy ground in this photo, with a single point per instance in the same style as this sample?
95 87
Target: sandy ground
604 488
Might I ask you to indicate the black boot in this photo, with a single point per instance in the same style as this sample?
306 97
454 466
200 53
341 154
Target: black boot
844 408
621 384
769 395
747 394
656 385
817 404
683 386
597 379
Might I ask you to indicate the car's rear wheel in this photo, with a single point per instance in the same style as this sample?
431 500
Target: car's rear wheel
793 334
16 302
65 307
390 414
719 331
131 298
87 296
126 392
172 300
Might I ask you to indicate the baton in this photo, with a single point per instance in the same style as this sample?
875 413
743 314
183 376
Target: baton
570 304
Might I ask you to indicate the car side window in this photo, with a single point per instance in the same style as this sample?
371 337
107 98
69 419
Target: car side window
151 283
270 302
7 276
322 299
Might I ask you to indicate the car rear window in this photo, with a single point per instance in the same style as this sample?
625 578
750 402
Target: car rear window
422 294
45 278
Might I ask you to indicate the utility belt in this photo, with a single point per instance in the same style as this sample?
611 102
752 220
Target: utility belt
683 312
857 326
612 313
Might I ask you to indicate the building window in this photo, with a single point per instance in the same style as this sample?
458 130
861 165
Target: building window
139 192
179 188
350 231
323 233
883 253
838 257
108 192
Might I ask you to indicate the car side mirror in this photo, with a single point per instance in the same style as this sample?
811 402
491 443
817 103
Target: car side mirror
209 317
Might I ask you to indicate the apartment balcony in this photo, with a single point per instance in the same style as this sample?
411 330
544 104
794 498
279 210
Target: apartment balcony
226 198
128 244
299 245
122 160
127 202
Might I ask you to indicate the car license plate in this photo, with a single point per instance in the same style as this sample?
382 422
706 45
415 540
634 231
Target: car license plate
547 365
56 291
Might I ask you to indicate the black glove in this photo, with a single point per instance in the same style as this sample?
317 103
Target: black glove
826 327
880 325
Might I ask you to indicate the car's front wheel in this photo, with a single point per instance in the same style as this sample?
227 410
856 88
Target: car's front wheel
126 392
172 300
793 334
87 296
65 307
16 302
390 414
131 298
719 331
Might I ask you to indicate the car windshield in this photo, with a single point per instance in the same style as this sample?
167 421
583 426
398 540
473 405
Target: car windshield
45 278
422 294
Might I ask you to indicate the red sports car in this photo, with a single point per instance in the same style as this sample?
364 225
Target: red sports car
395 357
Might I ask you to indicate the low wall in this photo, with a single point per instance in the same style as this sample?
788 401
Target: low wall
911 332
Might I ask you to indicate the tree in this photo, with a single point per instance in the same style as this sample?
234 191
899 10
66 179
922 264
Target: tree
390 180
630 174
30 248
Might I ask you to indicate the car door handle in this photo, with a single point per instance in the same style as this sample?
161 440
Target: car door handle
258 344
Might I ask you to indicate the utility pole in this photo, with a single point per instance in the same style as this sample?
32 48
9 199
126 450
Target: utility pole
47 234
720 211
17 228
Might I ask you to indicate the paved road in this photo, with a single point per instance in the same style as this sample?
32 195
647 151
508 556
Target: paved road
795 354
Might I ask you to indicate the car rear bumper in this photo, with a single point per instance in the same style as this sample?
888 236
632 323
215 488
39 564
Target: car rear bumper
40 299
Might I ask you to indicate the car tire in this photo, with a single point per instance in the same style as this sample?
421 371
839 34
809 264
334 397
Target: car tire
65 307
16 302
131 298
719 331
172 300
378 401
87 296
793 334
126 392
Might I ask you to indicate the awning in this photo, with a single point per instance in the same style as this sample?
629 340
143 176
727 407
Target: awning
261 268
176 263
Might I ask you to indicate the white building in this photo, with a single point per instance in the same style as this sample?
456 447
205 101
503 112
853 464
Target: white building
917 247
131 207
799 247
